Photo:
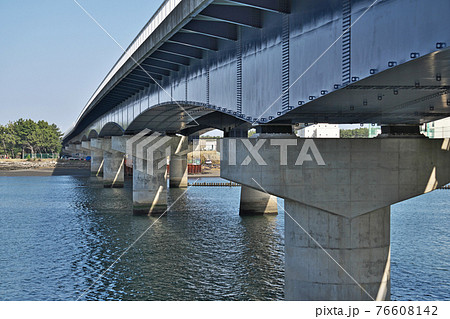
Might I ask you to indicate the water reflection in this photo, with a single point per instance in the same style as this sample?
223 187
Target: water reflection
200 250
60 233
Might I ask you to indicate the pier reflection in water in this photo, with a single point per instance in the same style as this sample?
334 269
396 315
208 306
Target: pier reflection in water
201 250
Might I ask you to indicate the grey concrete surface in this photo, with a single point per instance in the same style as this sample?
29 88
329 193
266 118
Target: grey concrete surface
113 166
149 191
358 257
256 202
337 195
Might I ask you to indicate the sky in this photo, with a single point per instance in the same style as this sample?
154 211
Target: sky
53 56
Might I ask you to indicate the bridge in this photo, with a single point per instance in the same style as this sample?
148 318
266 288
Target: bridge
234 65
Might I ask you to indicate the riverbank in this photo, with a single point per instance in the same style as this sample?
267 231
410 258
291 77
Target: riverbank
207 172
53 167
44 167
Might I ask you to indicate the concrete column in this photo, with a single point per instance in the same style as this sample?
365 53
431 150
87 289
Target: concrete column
339 191
149 190
96 163
178 162
178 171
149 174
255 202
113 166
96 158
354 263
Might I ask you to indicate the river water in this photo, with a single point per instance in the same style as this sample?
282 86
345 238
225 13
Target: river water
59 234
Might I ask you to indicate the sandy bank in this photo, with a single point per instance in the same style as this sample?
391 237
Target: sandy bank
44 168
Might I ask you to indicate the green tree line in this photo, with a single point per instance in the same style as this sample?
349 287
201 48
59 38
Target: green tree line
28 136
355 133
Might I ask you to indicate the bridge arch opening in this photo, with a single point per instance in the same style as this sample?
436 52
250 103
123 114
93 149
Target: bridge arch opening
92 134
190 118
111 129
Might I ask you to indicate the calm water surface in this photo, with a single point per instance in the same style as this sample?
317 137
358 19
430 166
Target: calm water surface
58 234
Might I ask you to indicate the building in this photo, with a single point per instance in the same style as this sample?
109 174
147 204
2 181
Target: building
207 144
374 130
321 130
437 129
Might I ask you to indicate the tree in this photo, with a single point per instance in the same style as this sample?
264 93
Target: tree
8 140
24 132
25 135
355 133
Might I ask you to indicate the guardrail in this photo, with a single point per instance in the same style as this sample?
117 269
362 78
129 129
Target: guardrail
229 184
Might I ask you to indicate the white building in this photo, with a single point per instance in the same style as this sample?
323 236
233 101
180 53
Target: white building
321 130
438 129
207 144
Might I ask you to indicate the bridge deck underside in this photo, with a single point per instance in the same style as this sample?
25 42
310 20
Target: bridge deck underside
222 63
410 93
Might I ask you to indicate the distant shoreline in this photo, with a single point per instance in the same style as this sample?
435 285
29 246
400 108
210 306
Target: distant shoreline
45 167
46 172
12 168
71 172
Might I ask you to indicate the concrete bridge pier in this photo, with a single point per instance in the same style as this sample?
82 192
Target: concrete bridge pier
253 201
256 202
96 163
149 189
178 165
113 166
82 152
96 157
338 194
71 149
149 173
344 259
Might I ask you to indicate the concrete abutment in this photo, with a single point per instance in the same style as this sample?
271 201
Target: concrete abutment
338 193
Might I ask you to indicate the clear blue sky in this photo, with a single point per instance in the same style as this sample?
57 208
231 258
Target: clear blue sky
53 57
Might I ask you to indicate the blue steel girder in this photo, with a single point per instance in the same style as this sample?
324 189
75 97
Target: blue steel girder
161 64
195 40
181 50
278 6
239 15
216 29
118 93
147 75
154 69
170 58
265 47
127 84
137 82
143 78
123 91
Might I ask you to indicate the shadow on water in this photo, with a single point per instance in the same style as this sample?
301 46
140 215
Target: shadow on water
59 234
201 249
71 167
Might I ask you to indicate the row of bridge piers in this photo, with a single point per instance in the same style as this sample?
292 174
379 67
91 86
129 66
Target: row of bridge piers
149 180
337 197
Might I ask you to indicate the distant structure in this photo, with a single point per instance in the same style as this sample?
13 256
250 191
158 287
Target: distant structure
321 130
208 144
437 129
374 130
